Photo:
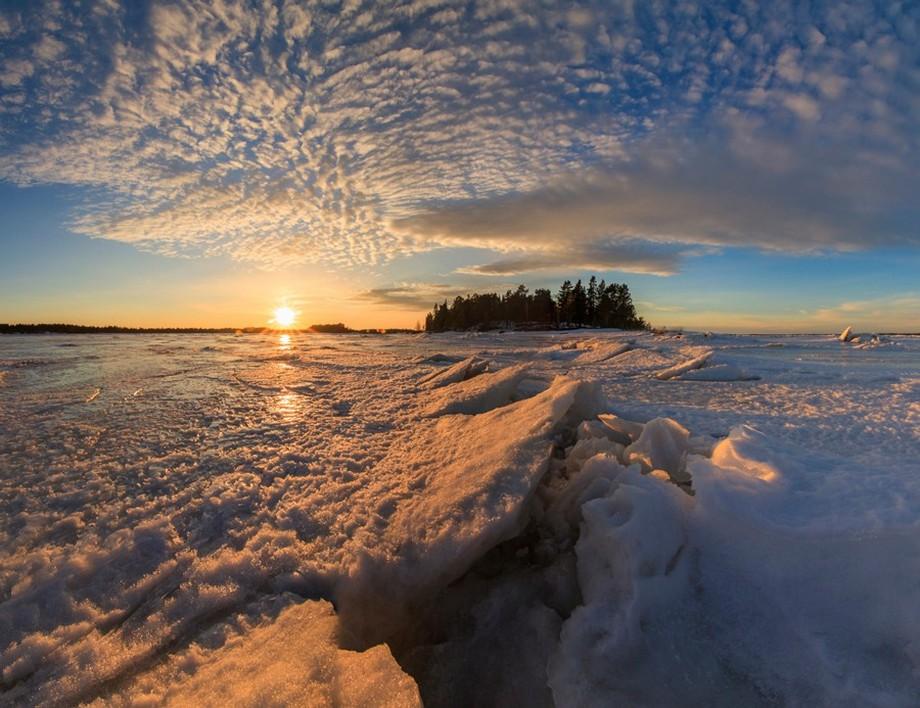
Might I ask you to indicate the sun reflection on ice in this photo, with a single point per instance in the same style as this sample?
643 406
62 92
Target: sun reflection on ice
290 406
284 342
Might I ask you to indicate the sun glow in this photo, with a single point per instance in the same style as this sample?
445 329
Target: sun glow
284 316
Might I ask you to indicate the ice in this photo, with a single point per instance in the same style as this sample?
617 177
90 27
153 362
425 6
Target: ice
479 394
601 351
462 370
292 659
473 477
680 369
625 431
662 446
744 593
490 511
718 372
630 568
860 341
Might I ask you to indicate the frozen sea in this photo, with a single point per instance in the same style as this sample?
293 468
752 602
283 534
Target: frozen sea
587 518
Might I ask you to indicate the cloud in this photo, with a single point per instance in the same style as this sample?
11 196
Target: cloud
634 218
898 312
627 258
351 134
411 296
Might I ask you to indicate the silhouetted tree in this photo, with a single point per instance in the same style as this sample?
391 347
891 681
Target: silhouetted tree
592 300
579 304
600 305
564 302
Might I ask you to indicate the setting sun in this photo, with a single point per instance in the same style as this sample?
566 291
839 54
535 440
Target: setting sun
284 316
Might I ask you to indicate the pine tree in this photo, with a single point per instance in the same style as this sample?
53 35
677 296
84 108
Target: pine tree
579 303
592 301
564 302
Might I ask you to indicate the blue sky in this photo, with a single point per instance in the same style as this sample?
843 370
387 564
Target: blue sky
744 166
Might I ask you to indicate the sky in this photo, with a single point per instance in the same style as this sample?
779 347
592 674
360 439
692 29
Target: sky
743 166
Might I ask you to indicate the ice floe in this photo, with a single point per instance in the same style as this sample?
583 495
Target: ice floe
461 371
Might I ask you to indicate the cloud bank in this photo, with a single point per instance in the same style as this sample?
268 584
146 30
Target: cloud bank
602 135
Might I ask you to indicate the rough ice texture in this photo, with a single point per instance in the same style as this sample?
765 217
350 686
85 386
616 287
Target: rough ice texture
461 371
472 477
291 660
684 367
718 372
600 351
479 394
169 503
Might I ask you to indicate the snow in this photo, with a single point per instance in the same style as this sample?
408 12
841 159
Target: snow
519 518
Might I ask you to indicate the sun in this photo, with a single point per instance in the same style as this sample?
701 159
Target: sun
284 316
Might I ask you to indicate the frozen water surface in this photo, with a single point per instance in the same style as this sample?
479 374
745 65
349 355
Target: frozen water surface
445 518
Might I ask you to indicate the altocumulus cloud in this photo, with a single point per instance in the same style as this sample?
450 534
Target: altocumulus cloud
608 135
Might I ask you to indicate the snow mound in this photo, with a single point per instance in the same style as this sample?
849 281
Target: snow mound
631 566
744 594
461 371
682 368
479 394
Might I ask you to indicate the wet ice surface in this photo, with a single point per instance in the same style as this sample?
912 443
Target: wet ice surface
173 508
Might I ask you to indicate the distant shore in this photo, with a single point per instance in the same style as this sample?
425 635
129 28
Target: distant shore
114 329
327 329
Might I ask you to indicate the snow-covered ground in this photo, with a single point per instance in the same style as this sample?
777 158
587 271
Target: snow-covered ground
587 518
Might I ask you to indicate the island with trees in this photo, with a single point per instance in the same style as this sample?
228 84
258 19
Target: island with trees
597 305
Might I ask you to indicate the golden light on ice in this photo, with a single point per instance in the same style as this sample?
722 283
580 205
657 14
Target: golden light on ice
284 316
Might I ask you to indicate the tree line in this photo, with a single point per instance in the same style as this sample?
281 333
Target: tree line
597 305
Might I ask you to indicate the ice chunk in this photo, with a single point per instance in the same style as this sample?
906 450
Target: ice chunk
683 368
846 335
587 448
478 472
475 476
662 445
625 431
461 371
295 660
594 479
603 351
478 394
